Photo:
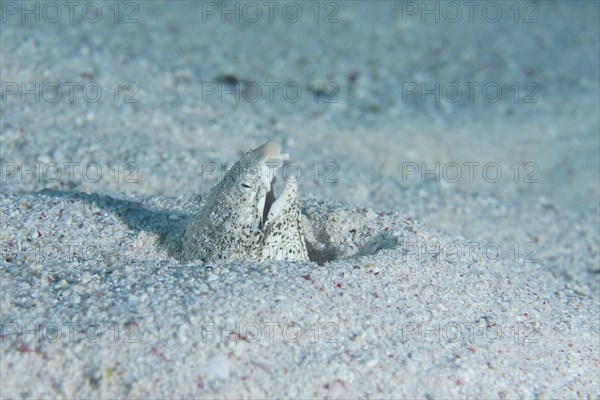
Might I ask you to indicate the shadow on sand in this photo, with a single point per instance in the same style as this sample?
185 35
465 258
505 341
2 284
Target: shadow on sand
168 225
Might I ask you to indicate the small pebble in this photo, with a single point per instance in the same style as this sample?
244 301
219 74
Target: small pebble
370 363
218 366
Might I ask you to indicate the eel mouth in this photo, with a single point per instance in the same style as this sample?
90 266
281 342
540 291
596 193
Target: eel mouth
271 152
269 200
274 207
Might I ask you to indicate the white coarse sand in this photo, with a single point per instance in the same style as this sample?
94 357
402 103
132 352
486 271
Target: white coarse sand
95 303
454 237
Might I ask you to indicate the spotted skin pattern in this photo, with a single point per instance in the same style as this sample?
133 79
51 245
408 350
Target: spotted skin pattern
242 220
283 239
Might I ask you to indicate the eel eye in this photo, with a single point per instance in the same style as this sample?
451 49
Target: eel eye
245 186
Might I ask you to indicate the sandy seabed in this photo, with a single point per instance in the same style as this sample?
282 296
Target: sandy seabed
422 283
